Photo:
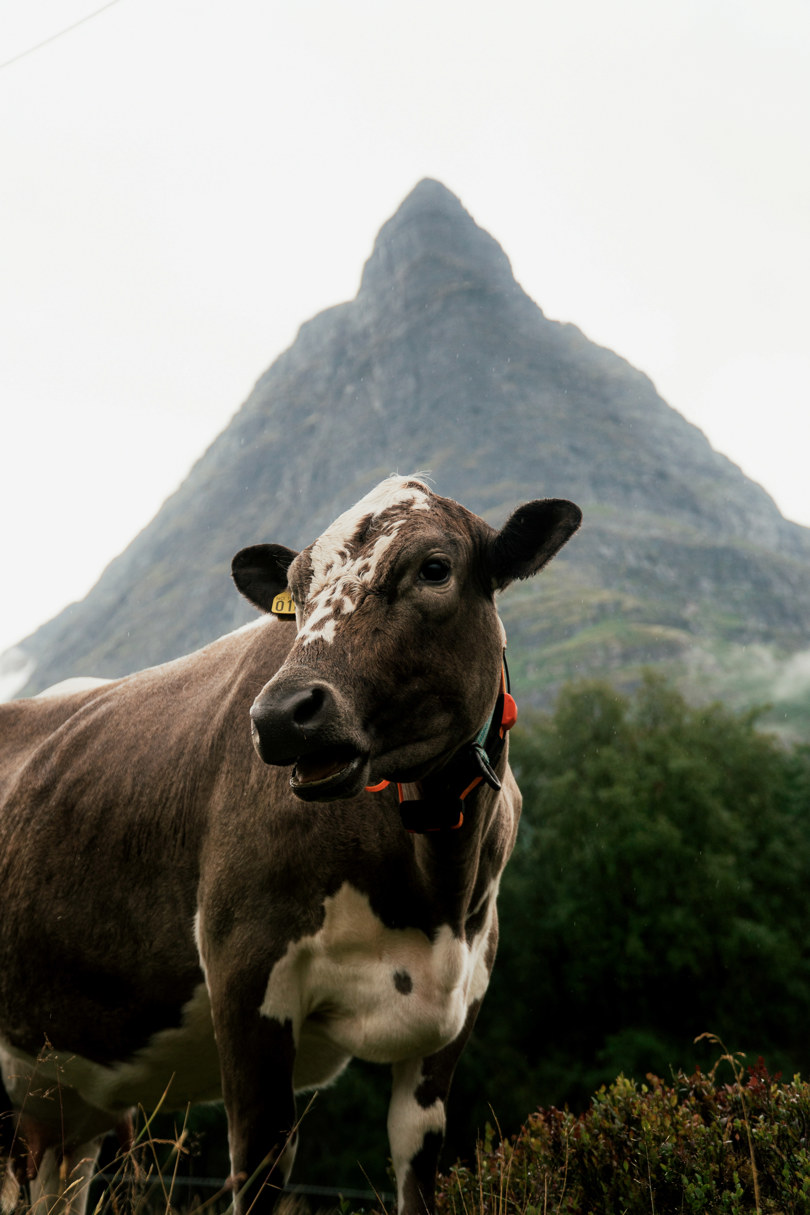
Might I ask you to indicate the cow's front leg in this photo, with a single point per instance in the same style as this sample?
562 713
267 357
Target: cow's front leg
417 1118
257 1054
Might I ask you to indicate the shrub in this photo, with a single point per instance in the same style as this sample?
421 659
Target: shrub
693 1146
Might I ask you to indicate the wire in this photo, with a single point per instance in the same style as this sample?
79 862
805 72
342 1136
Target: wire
212 1183
53 37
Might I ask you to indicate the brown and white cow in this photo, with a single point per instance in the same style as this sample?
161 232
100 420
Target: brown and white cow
175 913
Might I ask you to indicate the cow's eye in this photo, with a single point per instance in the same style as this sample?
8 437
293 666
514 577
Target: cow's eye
435 570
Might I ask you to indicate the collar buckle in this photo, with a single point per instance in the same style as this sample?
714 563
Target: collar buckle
481 759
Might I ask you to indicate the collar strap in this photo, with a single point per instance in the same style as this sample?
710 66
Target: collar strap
441 806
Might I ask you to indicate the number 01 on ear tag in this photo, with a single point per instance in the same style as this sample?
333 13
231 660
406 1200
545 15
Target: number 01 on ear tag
283 605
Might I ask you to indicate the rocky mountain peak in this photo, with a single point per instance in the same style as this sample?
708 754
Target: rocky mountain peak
432 239
443 363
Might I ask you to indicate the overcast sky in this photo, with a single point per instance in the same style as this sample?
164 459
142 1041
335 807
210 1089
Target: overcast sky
184 182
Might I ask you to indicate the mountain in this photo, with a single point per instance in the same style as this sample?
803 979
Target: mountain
443 363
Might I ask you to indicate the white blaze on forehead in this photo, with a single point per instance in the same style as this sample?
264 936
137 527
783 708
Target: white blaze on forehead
337 573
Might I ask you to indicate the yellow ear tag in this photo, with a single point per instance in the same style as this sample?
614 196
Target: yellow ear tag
283 605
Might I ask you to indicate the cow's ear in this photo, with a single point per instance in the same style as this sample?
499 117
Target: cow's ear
260 572
530 538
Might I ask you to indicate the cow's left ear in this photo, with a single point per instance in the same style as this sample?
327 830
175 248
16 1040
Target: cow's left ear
260 572
530 538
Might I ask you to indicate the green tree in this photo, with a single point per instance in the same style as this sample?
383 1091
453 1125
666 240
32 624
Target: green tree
658 890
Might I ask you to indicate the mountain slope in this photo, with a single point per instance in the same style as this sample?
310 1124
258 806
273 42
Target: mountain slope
443 363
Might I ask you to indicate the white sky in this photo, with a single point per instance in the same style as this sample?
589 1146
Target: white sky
183 182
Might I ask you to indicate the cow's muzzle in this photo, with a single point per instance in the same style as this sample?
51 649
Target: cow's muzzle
307 725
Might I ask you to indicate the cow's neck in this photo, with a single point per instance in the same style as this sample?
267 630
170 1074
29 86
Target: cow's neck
463 819
462 867
440 802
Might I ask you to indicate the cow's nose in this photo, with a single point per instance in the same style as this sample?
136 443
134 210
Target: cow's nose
308 705
289 723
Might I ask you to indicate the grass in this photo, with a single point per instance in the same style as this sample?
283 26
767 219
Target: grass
141 1180
731 1141
152 1177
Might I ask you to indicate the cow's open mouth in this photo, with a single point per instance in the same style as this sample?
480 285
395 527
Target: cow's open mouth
332 772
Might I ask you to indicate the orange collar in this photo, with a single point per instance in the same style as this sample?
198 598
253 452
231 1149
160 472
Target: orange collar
440 806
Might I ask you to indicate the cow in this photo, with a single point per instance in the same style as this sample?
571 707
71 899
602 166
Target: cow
187 917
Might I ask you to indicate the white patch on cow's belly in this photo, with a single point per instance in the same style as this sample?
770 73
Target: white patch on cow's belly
357 988
182 1060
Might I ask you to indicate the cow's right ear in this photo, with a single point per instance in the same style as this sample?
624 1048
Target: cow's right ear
260 572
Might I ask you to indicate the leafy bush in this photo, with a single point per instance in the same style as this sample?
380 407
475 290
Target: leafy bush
658 886
691 1147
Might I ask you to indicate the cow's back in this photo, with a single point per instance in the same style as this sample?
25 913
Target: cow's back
24 726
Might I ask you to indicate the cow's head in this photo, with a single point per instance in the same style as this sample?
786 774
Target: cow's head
397 659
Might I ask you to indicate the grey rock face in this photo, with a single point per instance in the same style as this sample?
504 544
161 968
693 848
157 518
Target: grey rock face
442 363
